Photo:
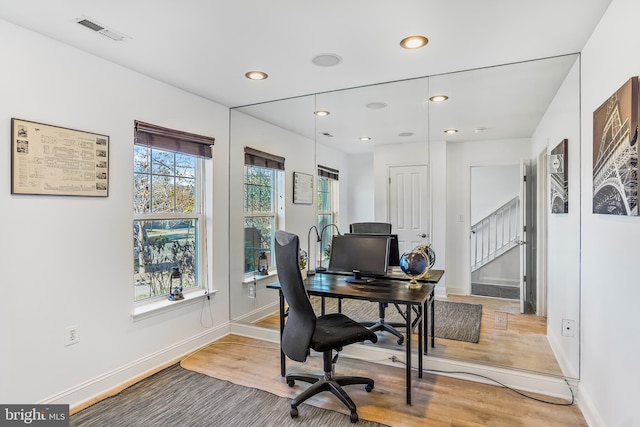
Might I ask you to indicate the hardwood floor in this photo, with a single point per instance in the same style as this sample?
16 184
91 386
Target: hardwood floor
437 400
518 342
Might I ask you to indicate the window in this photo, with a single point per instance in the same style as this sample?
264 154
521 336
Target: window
168 208
327 207
263 184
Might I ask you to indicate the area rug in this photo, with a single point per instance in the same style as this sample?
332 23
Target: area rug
182 398
454 320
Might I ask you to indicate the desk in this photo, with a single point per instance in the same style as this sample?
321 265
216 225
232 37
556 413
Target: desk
390 290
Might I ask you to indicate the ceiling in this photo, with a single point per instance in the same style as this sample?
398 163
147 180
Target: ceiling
206 46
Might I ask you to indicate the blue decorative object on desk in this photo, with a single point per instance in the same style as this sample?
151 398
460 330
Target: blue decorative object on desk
416 264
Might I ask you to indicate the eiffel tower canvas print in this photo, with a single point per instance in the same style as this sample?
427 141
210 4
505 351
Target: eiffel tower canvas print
615 153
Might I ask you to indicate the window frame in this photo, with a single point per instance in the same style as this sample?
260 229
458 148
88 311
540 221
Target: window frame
276 214
333 212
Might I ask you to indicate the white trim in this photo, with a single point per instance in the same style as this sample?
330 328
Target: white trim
589 410
160 305
96 387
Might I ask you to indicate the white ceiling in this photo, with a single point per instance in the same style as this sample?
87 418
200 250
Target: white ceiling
206 46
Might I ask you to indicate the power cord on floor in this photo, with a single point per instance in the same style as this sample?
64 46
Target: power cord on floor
396 360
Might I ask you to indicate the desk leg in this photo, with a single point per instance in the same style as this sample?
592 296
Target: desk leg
408 341
433 320
283 359
421 313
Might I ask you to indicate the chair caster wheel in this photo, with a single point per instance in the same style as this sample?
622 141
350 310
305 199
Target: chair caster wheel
291 383
354 417
294 412
368 388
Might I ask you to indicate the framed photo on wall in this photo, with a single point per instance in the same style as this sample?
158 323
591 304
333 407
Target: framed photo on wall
302 188
615 152
51 160
559 178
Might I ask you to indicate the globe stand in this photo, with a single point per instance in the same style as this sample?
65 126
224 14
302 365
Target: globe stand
414 284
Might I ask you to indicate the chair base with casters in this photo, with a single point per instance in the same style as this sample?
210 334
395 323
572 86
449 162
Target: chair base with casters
381 325
327 382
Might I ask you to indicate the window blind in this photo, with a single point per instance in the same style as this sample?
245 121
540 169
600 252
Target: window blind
172 140
253 157
328 172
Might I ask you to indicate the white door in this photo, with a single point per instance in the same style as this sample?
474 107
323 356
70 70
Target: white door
523 235
409 205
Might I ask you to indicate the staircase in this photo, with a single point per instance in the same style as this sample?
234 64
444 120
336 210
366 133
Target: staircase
495 234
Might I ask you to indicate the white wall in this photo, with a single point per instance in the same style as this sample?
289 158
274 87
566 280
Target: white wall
360 188
562 121
492 187
68 260
610 333
460 156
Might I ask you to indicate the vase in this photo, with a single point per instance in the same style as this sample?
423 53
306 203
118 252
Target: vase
303 272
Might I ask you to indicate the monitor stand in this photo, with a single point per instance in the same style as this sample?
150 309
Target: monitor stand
358 279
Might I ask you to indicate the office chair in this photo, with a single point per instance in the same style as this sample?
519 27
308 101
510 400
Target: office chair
380 324
304 330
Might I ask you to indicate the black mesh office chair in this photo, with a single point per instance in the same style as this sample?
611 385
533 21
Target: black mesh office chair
304 330
380 324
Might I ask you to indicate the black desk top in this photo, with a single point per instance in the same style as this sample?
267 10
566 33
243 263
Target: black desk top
389 289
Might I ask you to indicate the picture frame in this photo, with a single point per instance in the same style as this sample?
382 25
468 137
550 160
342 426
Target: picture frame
615 152
302 188
52 160
559 178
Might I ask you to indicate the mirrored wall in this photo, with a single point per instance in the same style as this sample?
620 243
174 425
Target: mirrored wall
493 119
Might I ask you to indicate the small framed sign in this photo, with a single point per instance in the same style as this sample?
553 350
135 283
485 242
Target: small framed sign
302 188
58 161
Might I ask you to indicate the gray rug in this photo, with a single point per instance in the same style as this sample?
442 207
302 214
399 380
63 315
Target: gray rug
454 320
181 398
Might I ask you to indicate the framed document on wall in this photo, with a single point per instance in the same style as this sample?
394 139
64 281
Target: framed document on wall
302 188
52 160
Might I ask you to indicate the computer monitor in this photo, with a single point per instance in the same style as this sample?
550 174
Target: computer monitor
366 256
394 252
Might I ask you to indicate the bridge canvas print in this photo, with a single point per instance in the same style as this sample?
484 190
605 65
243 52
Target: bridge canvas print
615 153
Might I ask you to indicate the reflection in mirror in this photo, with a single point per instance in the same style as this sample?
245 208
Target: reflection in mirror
507 117
267 145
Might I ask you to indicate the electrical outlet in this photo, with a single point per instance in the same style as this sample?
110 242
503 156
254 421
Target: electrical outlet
568 328
252 290
500 320
71 335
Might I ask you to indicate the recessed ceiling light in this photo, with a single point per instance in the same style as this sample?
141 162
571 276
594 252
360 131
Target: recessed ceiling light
406 134
256 75
480 129
438 98
376 105
321 113
414 42
365 138
451 131
326 60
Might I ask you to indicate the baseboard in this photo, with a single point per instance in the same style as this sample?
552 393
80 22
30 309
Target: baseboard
521 380
259 313
110 382
589 409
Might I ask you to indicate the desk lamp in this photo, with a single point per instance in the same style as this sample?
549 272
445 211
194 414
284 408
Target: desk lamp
318 239
321 268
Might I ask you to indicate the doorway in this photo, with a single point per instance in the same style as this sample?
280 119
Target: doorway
503 233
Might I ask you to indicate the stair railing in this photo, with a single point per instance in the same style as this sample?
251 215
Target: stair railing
495 234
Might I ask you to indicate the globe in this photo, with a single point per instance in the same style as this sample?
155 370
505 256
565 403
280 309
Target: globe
416 264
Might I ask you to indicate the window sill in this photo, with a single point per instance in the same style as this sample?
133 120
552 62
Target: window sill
250 278
145 310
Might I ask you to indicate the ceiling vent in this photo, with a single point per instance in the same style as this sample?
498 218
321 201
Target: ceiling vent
100 29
